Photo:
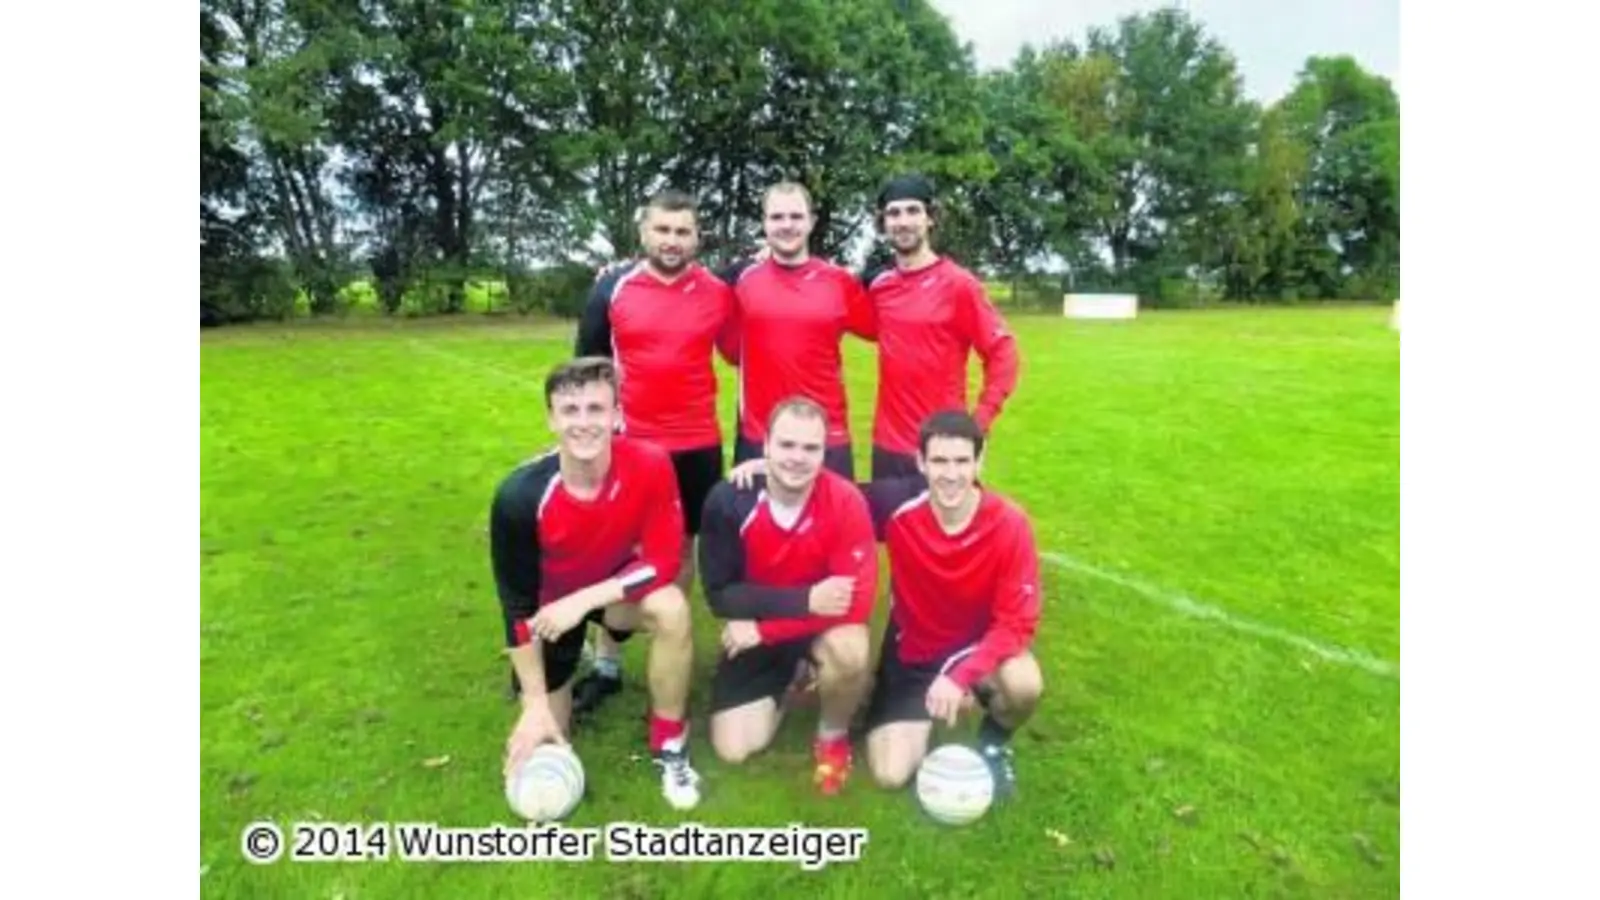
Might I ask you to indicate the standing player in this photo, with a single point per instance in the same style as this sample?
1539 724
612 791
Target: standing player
931 313
794 311
593 532
964 605
790 563
660 320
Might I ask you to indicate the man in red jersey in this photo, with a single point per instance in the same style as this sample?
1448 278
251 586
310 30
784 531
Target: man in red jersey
930 315
794 311
790 563
593 532
964 605
660 319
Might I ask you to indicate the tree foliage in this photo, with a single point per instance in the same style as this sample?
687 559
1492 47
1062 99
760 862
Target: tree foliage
423 144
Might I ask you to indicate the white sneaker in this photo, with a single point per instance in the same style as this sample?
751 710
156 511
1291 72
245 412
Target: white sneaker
680 783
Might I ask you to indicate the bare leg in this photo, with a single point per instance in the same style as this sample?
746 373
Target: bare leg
842 655
895 750
666 618
743 731
665 615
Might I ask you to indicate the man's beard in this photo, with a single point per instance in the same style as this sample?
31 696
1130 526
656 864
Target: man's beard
659 264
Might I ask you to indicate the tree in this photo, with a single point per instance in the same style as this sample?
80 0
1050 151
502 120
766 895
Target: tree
1156 130
1348 121
441 140
271 71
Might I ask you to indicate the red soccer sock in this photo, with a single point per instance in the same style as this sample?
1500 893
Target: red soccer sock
664 731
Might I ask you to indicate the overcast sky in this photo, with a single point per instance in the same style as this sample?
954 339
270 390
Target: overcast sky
1270 38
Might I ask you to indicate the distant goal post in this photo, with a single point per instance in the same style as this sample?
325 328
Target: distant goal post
1100 306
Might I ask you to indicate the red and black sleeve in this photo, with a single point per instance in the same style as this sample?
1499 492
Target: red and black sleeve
661 538
853 554
514 544
594 329
722 562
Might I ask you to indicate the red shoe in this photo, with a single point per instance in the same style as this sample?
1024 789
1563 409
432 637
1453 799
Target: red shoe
834 759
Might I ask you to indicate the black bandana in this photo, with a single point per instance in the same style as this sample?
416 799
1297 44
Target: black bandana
906 187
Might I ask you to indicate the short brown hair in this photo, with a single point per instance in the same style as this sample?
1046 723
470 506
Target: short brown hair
575 373
672 201
952 423
787 187
802 407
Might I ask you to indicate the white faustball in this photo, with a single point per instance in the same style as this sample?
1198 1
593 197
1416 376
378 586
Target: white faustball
548 786
954 785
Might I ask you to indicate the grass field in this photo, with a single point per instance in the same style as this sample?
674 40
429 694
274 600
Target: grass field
1219 493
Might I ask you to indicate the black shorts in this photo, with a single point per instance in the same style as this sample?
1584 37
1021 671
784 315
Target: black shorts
562 657
900 690
840 459
889 464
762 671
698 470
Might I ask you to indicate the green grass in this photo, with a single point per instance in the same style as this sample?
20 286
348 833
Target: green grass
1246 459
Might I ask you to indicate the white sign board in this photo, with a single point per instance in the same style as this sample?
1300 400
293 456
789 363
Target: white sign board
1100 306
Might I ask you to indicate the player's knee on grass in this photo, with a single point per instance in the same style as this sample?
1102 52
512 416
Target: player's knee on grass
740 733
1020 682
894 751
666 613
843 652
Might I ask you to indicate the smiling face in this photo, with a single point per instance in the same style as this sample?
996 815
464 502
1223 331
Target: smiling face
951 465
907 224
584 417
670 238
796 444
787 222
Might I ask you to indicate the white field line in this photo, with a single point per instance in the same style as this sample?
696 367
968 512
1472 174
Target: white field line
527 379
1179 603
1195 609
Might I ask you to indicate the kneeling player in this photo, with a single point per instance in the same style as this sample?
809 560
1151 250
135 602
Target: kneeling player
790 562
964 592
965 607
593 532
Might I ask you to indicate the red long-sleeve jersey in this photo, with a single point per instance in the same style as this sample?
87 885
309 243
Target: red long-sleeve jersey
928 321
752 567
546 543
661 336
791 320
966 601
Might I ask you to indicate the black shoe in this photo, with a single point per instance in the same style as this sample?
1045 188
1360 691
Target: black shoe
998 757
591 691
